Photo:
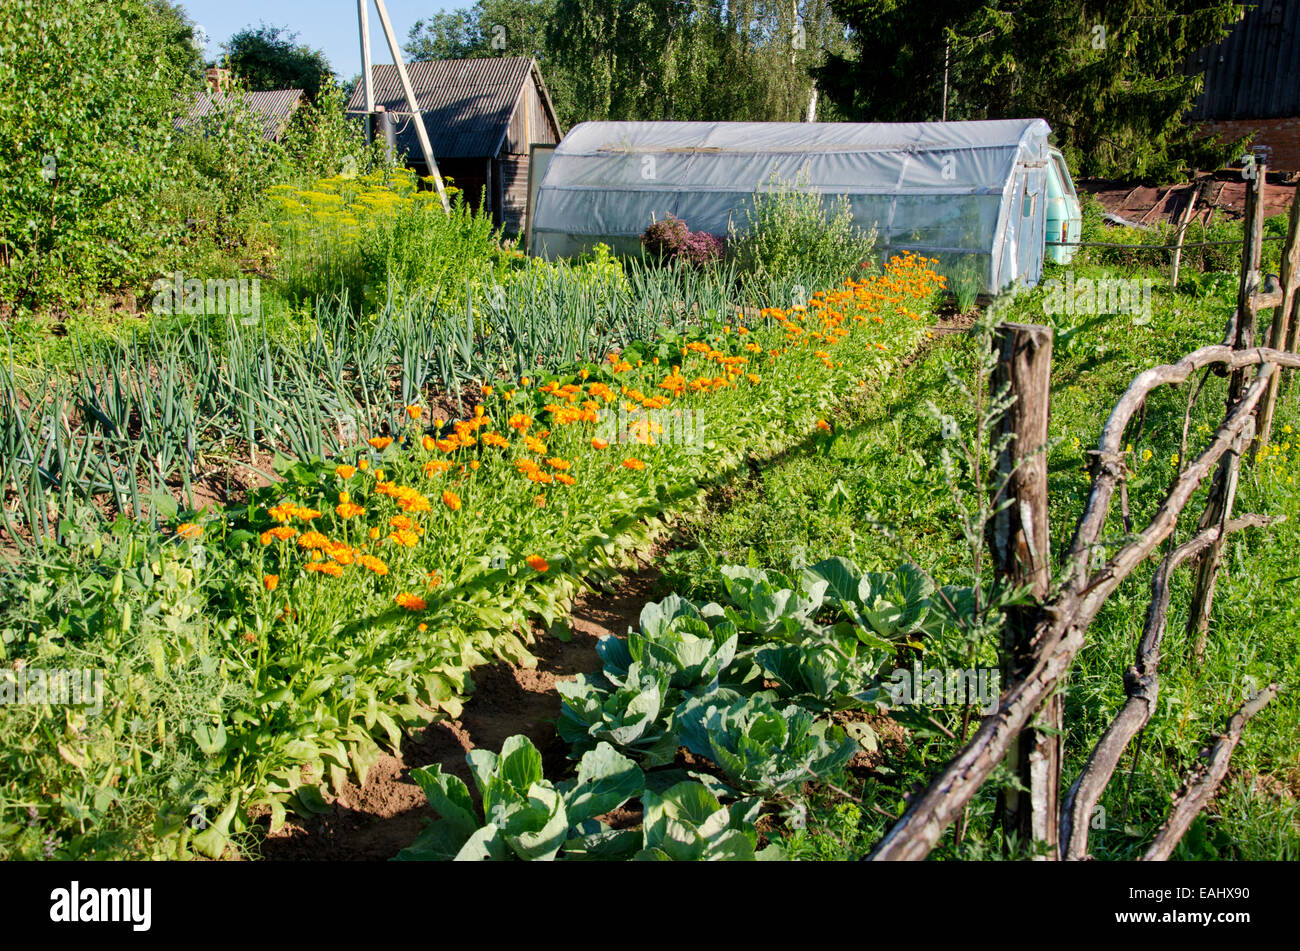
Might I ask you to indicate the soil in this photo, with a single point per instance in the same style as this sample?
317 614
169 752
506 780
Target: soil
375 821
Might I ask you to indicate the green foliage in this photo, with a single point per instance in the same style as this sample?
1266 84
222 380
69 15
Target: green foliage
761 748
1109 79
111 779
524 815
793 229
86 103
267 57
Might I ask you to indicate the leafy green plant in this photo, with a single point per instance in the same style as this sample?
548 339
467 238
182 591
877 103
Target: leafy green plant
523 815
793 229
761 748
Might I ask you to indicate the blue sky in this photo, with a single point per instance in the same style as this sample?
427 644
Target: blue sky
328 25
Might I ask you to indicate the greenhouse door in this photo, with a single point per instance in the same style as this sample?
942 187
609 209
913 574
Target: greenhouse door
1029 231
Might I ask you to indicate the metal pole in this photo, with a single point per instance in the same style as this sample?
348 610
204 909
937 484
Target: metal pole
363 19
945 81
420 132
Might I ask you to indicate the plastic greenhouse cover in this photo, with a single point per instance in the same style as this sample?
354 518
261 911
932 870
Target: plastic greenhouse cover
936 187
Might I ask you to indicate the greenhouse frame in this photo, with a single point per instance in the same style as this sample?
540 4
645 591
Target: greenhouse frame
971 194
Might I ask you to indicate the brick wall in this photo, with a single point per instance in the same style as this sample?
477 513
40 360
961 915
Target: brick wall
1281 136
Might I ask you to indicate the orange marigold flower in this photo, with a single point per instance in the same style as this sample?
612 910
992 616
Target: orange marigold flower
495 439
363 464
189 530
404 537
519 421
381 442
415 412
325 568
346 472
270 582
282 532
422 628
399 521
410 601
371 563
437 465
313 540
537 563
560 464
566 479
429 443
598 443
435 579
282 512
823 425
633 464
451 500
349 510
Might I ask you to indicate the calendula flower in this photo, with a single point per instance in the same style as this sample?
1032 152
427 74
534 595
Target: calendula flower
598 443
346 472
487 390
189 530
270 582
437 465
410 601
566 479
435 579
560 464
422 628
823 425
348 510
524 381
451 500
537 563
371 563
312 540
381 442
474 464
325 568
404 537
429 443
373 533
363 464
415 412
281 532
633 464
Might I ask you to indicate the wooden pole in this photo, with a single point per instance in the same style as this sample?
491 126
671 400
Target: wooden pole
417 117
367 83
1184 219
1280 334
1223 491
1018 541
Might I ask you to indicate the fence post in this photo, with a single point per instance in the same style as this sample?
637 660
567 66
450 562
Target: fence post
1223 491
1018 542
1280 334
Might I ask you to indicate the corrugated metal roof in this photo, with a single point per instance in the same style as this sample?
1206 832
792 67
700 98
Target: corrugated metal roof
467 103
1255 72
275 106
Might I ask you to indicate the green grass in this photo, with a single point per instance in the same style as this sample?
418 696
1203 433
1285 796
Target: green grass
874 491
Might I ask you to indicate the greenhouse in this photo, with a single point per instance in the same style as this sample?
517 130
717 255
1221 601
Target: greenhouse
971 194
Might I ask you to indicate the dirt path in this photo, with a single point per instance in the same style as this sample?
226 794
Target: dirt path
375 821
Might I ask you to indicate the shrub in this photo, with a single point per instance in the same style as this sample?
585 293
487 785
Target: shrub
793 230
670 240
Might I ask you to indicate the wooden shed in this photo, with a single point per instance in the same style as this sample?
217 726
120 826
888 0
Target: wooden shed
482 116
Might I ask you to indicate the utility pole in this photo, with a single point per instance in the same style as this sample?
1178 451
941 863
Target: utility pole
364 20
420 132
